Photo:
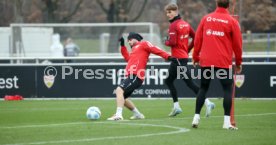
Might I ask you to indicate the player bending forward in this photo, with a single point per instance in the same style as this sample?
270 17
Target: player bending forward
135 71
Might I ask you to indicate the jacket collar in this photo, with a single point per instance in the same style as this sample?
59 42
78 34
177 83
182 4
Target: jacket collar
175 18
136 44
221 10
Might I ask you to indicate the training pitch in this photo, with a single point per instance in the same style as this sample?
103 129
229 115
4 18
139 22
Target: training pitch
63 122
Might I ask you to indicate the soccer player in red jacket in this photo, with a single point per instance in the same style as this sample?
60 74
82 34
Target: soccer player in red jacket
179 34
135 71
218 37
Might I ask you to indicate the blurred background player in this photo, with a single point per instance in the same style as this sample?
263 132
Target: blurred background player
56 48
71 49
217 37
135 71
178 39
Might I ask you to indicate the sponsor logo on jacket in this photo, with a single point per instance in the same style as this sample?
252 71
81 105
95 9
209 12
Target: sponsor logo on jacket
181 26
215 33
210 19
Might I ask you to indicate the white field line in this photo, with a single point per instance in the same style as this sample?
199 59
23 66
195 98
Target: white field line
221 116
40 109
78 123
178 130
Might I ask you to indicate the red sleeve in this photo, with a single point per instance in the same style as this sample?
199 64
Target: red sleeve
237 42
172 36
157 51
192 35
124 52
198 41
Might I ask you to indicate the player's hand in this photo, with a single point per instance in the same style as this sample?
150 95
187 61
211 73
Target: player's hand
166 38
238 69
122 41
195 63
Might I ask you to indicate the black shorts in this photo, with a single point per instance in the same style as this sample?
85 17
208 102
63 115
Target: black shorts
130 84
173 69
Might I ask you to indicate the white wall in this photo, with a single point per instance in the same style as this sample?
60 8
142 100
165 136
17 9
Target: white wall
37 41
5 33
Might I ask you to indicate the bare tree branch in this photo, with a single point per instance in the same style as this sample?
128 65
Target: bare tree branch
140 12
129 6
102 6
67 18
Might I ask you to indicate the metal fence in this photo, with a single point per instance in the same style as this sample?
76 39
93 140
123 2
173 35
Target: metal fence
259 43
34 40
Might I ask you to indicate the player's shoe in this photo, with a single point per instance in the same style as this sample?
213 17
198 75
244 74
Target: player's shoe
229 126
115 118
195 122
137 116
175 111
209 109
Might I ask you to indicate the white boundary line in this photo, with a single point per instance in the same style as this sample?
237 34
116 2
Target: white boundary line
221 116
99 122
178 130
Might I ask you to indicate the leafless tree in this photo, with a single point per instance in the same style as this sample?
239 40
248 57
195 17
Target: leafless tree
53 10
121 11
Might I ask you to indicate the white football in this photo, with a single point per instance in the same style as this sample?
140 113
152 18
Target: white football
93 113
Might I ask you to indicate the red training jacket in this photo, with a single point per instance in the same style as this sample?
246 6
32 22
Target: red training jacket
137 59
217 37
179 33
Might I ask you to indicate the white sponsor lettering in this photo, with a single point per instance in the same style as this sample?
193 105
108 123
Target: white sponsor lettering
215 33
9 83
272 81
153 76
138 92
218 33
157 91
209 19
184 36
181 26
209 32
148 92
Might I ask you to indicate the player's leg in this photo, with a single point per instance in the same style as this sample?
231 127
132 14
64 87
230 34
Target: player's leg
187 78
124 90
209 107
227 85
129 105
201 96
120 103
169 82
136 113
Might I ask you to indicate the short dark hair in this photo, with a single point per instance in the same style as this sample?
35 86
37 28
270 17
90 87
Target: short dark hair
171 7
223 3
